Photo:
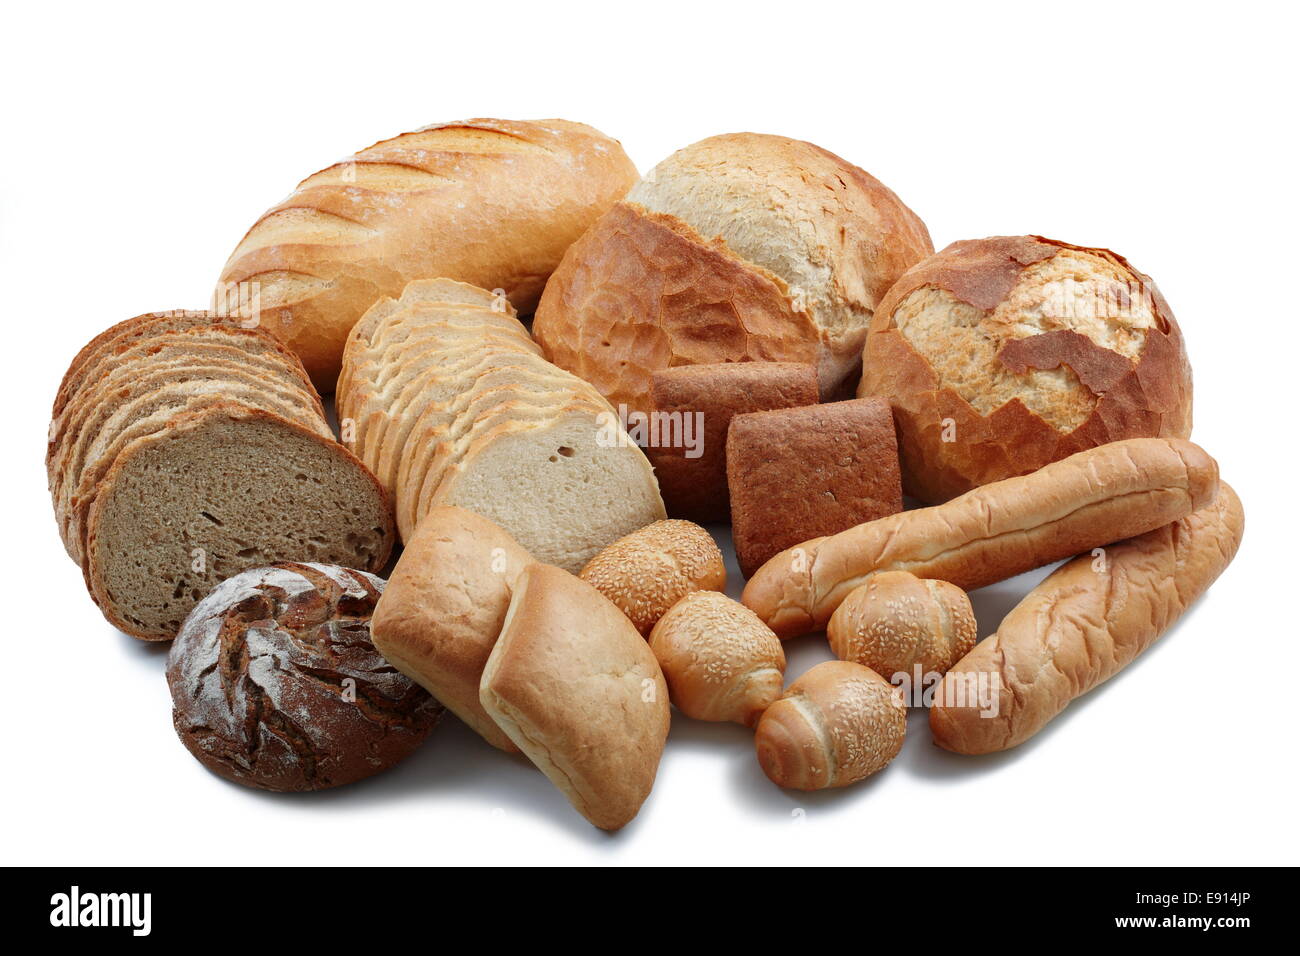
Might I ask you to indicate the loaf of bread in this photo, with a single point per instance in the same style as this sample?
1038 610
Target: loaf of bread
184 449
443 609
1083 624
494 203
275 683
697 403
897 623
837 724
576 688
1002 355
719 660
443 394
645 573
740 247
994 532
801 473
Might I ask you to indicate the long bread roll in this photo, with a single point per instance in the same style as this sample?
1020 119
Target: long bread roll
494 203
995 532
1082 625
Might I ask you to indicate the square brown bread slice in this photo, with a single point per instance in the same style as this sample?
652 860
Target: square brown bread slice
696 487
801 473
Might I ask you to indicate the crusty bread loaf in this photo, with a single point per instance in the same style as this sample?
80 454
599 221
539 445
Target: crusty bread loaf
837 724
1082 625
690 461
645 573
719 660
445 396
443 609
276 685
801 473
1001 355
494 203
739 247
576 688
213 493
994 532
896 623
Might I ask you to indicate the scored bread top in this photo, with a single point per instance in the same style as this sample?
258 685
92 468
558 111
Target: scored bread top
490 202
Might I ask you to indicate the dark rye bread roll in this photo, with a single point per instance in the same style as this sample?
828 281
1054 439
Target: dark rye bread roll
213 493
276 685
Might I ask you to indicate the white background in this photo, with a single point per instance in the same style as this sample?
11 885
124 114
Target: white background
139 143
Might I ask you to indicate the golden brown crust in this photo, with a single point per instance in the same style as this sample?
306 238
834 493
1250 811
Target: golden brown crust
576 688
947 445
720 661
494 203
443 609
696 487
646 572
1083 624
837 724
994 532
896 622
642 291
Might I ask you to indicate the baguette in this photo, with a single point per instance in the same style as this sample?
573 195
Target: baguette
995 532
1082 625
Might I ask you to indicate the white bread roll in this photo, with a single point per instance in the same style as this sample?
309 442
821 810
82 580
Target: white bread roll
896 622
646 572
720 661
491 202
443 609
742 247
837 724
576 688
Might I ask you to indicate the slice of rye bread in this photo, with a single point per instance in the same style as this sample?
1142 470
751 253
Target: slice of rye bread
433 452
167 386
440 384
180 346
179 399
102 407
172 517
400 436
89 410
141 326
89 363
559 489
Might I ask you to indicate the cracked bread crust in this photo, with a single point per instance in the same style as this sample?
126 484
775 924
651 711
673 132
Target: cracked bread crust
1002 355
276 685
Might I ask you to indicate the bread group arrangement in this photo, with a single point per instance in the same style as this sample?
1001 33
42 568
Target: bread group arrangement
759 333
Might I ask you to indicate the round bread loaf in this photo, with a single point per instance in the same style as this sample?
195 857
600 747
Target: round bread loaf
739 247
896 621
647 571
837 724
276 685
719 660
1001 355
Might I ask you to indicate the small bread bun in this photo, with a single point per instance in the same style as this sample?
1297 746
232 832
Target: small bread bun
896 621
646 572
838 724
720 661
